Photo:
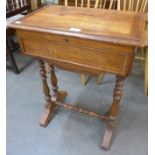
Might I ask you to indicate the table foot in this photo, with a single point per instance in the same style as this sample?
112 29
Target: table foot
107 137
49 109
47 115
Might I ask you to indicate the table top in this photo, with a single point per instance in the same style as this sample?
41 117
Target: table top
113 26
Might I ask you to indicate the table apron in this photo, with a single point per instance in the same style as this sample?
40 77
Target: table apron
82 57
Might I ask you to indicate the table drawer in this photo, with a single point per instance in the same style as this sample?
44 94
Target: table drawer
85 57
77 42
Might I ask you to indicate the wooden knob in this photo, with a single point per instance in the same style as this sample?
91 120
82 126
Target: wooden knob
66 40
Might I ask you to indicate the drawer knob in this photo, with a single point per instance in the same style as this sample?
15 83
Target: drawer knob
66 40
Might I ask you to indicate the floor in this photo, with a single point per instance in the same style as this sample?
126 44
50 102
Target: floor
72 133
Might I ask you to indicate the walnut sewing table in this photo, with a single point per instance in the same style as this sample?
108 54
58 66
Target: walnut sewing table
82 40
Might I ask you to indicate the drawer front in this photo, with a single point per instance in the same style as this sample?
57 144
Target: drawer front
83 56
77 42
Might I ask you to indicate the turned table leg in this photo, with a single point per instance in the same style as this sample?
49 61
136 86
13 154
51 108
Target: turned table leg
113 112
49 106
56 95
54 82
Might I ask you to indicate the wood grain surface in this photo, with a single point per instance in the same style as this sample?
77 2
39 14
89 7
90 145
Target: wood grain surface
103 25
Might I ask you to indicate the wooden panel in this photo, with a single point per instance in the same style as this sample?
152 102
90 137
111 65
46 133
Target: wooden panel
98 59
77 42
110 26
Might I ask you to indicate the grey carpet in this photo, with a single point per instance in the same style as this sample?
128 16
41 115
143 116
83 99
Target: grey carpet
72 133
